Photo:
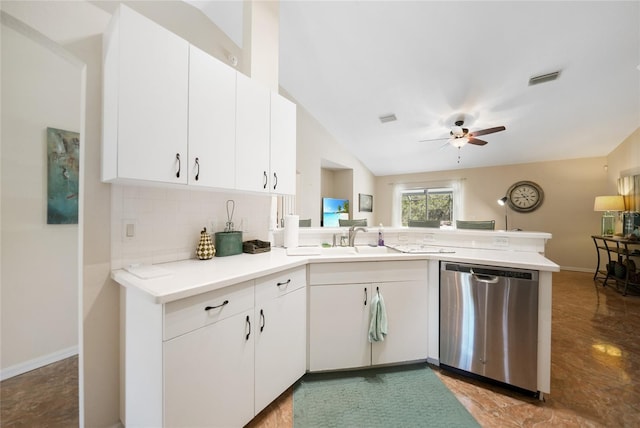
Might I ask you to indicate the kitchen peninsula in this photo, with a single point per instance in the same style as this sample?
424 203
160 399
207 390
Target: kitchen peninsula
240 329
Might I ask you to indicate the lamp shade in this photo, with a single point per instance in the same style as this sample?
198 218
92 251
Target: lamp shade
609 203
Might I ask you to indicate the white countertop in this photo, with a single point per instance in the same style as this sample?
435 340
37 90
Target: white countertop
191 277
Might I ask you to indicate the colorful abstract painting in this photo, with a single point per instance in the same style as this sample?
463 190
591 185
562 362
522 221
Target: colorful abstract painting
63 149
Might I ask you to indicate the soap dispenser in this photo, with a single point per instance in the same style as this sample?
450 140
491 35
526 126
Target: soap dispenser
380 236
206 249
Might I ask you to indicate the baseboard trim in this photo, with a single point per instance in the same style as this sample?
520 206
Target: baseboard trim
36 363
576 269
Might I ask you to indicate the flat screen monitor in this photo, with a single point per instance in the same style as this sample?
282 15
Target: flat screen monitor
334 209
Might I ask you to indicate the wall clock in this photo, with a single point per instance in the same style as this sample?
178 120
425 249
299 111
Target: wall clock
525 196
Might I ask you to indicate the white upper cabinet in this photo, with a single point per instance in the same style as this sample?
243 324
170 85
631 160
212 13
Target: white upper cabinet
283 146
252 135
212 110
174 114
145 101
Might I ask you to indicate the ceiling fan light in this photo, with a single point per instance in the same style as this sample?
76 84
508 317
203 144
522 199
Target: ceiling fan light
457 131
459 142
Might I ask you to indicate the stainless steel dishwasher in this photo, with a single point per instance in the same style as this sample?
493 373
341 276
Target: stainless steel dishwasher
489 322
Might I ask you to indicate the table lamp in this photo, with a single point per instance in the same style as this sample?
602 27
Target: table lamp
608 204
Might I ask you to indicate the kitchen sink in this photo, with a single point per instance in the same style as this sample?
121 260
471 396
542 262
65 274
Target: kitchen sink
368 249
359 249
338 250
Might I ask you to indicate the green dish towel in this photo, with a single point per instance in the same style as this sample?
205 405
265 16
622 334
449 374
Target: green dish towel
378 324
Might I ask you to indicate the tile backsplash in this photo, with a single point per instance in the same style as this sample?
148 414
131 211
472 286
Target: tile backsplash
166 222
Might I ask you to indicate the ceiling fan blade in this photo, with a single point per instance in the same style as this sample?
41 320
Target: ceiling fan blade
434 139
486 131
477 142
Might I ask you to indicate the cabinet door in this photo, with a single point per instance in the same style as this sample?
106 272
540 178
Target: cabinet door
283 146
252 135
212 121
209 375
407 338
152 101
281 345
339 326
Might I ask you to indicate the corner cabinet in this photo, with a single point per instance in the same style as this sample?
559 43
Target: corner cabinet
283 146
265 139
281 334
145 101
215 359
252 135
340 300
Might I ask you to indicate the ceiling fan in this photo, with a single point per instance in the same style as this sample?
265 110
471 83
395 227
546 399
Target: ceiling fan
460 136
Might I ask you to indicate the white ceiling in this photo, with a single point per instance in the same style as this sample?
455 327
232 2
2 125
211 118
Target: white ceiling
350 62
429 62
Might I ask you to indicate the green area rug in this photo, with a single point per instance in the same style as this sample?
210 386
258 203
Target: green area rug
405 396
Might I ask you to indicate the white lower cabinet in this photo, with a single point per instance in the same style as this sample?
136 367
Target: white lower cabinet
215 359
406 304
280 338
339 314
338 324
209 375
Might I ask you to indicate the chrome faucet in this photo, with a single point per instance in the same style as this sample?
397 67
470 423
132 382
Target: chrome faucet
353 230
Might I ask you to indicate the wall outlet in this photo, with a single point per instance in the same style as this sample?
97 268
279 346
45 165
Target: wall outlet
129 229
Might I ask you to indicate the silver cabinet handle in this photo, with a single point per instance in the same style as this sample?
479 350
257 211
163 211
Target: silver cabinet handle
266 178
275 178
178 159
198 171
489 279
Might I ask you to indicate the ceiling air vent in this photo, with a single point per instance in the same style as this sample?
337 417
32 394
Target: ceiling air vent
544 78
388 118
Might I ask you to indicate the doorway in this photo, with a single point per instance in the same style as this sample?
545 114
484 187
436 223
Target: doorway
42 87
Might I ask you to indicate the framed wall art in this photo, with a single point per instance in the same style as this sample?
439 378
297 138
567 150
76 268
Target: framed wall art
63 161
365 203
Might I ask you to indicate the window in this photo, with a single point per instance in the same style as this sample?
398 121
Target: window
428 204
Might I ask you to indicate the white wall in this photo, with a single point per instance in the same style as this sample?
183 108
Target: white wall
39 262
315 144
623 161
168 221
569 186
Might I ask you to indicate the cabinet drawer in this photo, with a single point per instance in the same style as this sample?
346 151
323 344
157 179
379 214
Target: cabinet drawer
280 283
191 313
367 272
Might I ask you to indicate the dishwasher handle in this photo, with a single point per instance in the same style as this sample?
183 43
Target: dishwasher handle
489 279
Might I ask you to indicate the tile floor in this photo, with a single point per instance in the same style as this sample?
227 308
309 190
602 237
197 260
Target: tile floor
595 374
46 397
